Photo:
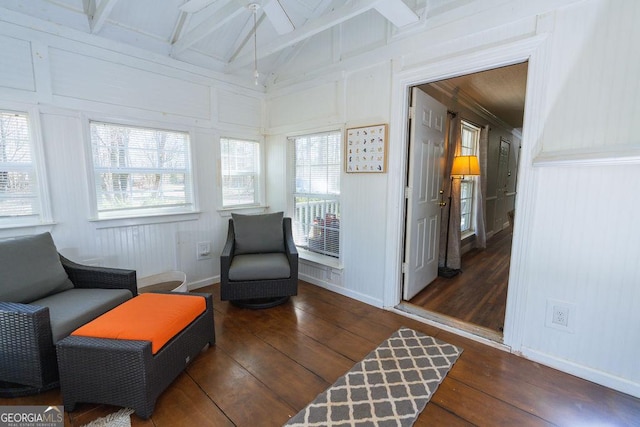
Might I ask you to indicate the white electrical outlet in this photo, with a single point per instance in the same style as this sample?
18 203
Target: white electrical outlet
560 315
203 250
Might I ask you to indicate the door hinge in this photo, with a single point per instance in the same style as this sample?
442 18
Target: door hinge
407 192
412 113
404 267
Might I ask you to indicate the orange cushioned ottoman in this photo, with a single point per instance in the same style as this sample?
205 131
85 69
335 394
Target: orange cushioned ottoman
129 355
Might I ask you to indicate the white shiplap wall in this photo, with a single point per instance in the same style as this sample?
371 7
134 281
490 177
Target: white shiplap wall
68 80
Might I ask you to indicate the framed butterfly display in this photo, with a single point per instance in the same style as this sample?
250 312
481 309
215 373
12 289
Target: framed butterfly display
366 149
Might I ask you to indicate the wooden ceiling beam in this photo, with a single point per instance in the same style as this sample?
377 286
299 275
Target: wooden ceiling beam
98 15
311 28
220 17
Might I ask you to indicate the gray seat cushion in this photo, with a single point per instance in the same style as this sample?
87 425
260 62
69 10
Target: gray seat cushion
73 308
31 269
259 267
258 233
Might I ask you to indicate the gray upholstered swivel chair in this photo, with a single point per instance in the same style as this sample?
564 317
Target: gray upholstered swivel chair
259 262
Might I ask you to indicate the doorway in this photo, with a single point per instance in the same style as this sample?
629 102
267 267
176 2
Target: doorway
475 300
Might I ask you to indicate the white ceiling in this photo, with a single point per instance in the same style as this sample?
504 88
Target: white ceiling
215 34
218 35
500 91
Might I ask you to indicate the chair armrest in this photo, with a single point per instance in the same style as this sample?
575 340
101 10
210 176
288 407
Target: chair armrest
87 276
289 244
26 344
290 247
227 253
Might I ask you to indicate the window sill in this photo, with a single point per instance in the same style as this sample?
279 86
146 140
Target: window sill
144 220
467 234
319 259
16 230
226 212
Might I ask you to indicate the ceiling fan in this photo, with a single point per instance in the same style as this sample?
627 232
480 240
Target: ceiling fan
272 8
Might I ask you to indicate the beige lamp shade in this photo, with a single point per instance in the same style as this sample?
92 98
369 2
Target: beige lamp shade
465 165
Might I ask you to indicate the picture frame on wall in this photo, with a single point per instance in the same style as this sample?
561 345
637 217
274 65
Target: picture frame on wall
366 149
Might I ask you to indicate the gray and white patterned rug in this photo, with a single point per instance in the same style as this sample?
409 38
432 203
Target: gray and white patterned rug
389 387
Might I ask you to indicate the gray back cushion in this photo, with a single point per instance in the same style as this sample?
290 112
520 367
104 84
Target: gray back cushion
31 269
257 234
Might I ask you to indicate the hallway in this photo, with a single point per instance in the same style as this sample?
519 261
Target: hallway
479 294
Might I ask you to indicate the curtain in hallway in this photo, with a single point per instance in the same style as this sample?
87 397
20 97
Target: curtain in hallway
481 189
452 187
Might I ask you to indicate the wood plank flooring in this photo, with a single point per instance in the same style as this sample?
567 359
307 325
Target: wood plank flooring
479 294
268 364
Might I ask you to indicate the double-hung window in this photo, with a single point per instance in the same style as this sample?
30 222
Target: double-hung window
470 138
23 199
140 171
240 169
316 197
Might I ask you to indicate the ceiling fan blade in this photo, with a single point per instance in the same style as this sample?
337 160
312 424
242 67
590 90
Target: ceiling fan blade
193 6
278 17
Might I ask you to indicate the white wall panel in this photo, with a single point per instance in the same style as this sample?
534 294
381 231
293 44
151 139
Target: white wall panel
93 79
595 58
363 32
316 52
237 109
587 256
16 65
367 94
316 106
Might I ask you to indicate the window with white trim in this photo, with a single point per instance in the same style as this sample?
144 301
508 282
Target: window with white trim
316 196
140 171
470 138
240 169
22 187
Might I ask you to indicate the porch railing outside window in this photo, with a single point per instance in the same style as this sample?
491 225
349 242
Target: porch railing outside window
316 216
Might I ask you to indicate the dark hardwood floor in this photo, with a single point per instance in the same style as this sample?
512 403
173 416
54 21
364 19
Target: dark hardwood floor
268 364
479 294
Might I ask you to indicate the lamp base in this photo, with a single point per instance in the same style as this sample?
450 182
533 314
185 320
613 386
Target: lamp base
448 272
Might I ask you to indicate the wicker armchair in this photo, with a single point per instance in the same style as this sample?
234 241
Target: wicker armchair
28 363
259 262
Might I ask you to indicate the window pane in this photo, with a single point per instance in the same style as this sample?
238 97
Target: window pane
19 193
317 189
140 168
470 139
240 172
466 204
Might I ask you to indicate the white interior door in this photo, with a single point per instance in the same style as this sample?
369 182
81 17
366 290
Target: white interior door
426 148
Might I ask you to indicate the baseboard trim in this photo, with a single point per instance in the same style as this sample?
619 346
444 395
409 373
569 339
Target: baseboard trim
342 291
203 282
607 380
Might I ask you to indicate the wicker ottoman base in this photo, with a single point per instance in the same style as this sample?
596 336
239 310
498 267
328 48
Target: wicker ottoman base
124 372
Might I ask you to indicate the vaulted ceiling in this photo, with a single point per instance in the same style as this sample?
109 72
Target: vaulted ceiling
219 35
231 37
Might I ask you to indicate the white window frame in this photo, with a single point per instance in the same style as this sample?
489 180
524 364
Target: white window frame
307 254
137 216
258 175
469 148
43 216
